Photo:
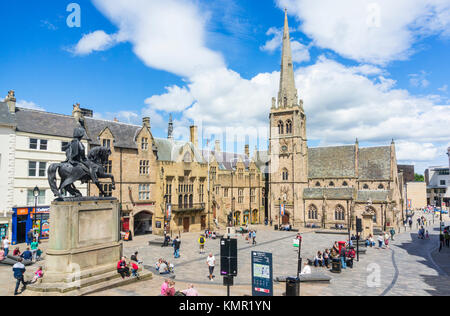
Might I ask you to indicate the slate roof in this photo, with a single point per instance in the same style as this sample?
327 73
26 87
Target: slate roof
329 193
375 196
124 134
170 150
6 118
226 160
375 163
332 162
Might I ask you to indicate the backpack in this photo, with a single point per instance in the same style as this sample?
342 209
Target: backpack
202 240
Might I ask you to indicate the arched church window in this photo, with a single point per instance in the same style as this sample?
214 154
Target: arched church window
366 187
345 184
381 187
289 127
331 184
339 213
318 184
285 101
280 128
285 175
312 212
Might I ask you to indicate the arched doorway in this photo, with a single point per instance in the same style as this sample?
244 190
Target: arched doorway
143 223
246 217
237 218
285 220
255 219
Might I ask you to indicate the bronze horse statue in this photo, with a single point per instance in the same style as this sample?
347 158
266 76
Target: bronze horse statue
69 173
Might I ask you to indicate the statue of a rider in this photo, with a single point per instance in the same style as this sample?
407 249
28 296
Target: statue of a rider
75 151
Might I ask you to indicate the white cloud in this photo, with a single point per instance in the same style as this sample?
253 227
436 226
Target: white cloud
96 41
407 150
175 100
167 35
419 80
444 88
29 105
300 52
376 31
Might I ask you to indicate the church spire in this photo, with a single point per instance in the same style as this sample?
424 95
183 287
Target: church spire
287 96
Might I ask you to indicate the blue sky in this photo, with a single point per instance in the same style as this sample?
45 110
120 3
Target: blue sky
216 63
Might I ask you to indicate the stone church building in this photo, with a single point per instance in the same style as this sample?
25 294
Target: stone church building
331 186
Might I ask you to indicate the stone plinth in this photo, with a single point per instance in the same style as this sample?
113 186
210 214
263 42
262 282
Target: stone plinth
83 249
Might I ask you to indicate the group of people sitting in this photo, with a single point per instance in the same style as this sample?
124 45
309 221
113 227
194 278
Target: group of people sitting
130 268
33 254
168 289
344 253
164 267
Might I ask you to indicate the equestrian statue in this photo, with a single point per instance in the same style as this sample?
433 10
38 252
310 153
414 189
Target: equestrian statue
78 167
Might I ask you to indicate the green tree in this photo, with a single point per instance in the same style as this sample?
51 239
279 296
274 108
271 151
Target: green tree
419 178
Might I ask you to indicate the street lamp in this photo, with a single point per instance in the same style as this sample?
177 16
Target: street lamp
36 193
279 214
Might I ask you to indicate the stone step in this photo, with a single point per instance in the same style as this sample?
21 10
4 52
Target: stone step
88 285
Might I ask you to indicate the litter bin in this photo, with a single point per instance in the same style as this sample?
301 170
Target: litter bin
292 287
336 266
275 227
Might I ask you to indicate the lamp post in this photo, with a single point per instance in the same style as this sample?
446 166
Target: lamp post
36 193
279 214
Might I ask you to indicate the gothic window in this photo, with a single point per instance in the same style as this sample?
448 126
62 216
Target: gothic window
312 212
331 184
345 184
285 175
187 157
381 187
289 127
280 128
339 213
318 184
285 102
366 187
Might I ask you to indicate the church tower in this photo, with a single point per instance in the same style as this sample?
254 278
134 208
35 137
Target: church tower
288 144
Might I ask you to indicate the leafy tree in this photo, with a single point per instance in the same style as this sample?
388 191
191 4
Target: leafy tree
419 178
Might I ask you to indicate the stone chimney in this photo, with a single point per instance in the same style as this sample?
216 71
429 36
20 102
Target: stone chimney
247 151
116 120
77 113
194 135
146 122
11 101
217 148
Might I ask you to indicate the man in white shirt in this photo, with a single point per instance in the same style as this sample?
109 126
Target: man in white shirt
211 262
306 269
5 243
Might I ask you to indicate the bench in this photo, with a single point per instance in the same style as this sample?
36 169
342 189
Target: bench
308 278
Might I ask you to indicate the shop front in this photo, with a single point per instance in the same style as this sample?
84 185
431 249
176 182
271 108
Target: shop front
25 218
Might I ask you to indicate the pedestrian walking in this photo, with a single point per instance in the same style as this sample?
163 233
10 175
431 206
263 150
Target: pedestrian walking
176 247
392 232
19 271
447 238
34 248
211 262
30 236
254 238
441 241
5 244
380 241
201 242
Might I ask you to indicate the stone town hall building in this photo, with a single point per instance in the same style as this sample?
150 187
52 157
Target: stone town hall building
322 187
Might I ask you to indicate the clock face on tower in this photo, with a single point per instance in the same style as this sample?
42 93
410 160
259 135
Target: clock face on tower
284 148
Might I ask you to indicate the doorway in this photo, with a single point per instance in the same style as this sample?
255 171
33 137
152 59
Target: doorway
143 224
186 224
22 229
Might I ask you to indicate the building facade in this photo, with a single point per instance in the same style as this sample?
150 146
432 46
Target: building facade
326 187
438 184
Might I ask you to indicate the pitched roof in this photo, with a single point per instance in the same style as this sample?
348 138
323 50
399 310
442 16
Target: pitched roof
375 163
329 193
171 150
39 122
124 134
332 162
226 160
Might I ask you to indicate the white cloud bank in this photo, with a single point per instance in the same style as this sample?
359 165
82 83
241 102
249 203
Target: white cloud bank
375 31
